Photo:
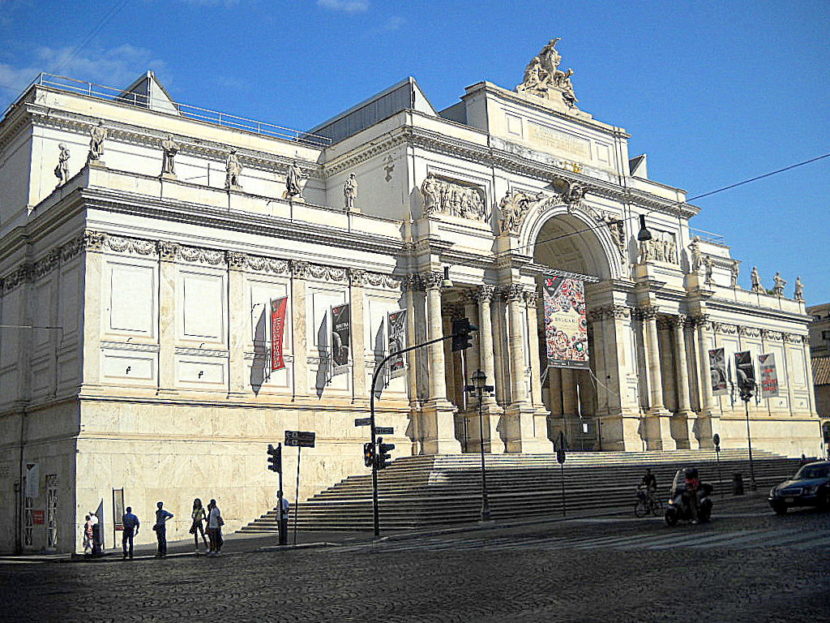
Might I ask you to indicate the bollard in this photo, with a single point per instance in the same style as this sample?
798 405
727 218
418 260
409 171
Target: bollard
737 484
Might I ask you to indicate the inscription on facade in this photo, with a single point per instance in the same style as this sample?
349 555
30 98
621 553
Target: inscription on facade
556 139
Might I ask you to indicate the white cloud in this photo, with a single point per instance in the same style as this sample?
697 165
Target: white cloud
347 6
393 23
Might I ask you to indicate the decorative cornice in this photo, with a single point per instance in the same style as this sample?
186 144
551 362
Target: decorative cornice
257 263
327 273
201 352
132 246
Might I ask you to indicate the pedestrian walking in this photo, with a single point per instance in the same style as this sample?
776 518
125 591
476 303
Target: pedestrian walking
215 523
199 516
161 529
88 536
131 525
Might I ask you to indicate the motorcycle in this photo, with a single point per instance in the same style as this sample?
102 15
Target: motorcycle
679 506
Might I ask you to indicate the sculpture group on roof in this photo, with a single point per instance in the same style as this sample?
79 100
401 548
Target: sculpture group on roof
544 78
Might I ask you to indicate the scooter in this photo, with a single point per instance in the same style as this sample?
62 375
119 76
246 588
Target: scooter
679 506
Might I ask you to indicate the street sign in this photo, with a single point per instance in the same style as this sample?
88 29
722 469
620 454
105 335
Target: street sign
363 421
299 438
384 430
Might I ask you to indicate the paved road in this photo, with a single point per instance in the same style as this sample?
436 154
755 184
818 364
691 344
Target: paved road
747 565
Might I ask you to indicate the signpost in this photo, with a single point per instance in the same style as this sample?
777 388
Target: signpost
384 430
300 439
716 441
363 421
560 458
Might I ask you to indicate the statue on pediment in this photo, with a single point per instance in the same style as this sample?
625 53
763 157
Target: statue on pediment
543 77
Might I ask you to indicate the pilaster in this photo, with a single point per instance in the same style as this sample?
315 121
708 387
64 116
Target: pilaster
237 330
708 422
360 383
167 252
299 341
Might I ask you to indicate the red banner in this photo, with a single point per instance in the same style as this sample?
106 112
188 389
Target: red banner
38 517
278 307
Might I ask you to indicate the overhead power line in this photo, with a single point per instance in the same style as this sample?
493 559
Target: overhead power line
107 17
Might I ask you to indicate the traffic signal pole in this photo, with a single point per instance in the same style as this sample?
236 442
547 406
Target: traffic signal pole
378 370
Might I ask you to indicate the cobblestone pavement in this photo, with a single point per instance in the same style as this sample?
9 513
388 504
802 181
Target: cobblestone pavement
746 565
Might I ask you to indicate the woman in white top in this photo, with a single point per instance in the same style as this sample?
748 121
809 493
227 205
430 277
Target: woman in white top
215 523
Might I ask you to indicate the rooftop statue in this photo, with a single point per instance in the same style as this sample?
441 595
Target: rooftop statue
543 77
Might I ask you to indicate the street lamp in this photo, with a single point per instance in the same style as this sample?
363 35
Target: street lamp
644 234
479 387
747 387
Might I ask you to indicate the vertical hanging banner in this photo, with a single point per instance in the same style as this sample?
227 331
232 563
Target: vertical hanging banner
341 333
717 372
278 307
566 324
396 327
744 370
769 376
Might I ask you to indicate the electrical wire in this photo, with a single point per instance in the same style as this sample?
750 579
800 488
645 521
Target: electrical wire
107 17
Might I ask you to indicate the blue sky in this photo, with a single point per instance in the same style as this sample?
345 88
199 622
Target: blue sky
714 92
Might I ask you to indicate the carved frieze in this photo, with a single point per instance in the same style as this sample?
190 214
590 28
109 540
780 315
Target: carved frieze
749 331
134 246
357 277
661 248
22 274
168 251
48 263
327 273
380 280
514 207
235 260
261 264
445 196
201 255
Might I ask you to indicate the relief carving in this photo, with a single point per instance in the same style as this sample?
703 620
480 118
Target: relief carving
514 207
266 264
661 248
453 198
203 256
299 269
327 273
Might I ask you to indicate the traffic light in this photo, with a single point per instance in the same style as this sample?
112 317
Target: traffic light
368 454
461 329
383 453
275 458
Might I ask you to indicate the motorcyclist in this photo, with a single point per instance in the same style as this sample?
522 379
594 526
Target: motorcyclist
690 495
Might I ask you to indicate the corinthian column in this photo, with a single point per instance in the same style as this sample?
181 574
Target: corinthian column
708 423
681 428
658 424
168 252
515 342
489 436
357 281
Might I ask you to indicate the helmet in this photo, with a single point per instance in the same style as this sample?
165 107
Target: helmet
691 472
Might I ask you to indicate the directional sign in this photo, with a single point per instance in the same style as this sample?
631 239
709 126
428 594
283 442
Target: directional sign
384 430
363 421
303 439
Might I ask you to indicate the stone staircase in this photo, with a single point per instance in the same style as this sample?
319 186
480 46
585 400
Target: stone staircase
422 491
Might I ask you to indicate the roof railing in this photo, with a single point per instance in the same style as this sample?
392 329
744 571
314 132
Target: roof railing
708 236
165 106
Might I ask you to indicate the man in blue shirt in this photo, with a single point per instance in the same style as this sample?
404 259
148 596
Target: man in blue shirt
161 529
131 525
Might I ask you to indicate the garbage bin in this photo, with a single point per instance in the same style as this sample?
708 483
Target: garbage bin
737 484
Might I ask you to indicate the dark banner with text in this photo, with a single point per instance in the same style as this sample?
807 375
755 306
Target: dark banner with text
278 307
341 333
769 376
566 324
745 371
717 372
396 325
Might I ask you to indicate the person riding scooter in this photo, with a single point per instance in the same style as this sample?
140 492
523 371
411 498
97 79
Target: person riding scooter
690 499
690 494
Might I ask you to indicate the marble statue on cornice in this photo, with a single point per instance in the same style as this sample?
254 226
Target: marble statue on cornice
543 77
798 295
694 255
734 270
755 277
778 288
350 191
97 136
62 170
169 149
292 182
232 171
707 262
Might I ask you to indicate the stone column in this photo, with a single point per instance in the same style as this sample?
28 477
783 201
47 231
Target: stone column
683 421
491 410
499 352
411 284
168 252
707 423
238 333
360 380
472 357
658 425
533 338
555 399
299 338
438 421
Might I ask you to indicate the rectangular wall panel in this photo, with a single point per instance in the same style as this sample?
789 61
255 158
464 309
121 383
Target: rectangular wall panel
132 295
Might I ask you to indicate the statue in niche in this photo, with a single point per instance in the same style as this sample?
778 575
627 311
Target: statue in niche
798 295
97 136
778 288
62 170
709 265
514 206
233 170
350 191
169 150
432 194
733 277
694 255
292 182
756 280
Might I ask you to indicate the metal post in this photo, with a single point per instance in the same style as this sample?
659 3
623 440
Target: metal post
753 486
485 505
562 473
281 519
720 478
297 494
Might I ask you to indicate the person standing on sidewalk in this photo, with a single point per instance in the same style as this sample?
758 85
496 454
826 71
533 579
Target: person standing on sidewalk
88 536
215 523
198 515
161 529
131 525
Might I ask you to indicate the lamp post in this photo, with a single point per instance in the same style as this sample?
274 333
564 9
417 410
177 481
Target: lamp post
747 387
478 388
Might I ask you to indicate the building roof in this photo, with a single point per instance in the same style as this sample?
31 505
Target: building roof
821 370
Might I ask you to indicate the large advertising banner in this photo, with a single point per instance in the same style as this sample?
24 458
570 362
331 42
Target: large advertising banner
769 376
396 331
717 372
744 370
278 307
341 333
566 325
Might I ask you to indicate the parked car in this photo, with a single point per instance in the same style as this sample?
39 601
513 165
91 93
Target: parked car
809 487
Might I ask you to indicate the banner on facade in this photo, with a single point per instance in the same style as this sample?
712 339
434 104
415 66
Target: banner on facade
396 340
341 332
32 480
278 307
769 376
566 324
744 371
717 372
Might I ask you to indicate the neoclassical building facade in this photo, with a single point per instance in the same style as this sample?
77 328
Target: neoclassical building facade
143 241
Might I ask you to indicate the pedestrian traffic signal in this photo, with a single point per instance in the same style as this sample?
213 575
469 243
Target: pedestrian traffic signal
275 458
461 329
383 453
368 454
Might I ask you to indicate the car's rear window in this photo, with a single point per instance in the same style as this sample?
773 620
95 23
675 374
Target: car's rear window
813 471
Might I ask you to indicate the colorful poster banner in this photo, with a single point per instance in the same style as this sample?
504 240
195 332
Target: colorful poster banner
769 376
278 307
717 372
396 340
341 332
566 325
744 371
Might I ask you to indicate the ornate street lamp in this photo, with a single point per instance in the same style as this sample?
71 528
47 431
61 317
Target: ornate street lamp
644 234
479 387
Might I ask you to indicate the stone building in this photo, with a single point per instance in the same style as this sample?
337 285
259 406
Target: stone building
142 241
820 352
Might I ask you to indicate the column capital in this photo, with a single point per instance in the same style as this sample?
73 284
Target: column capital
412 283
484 293
513 292
432 280
357 277
531 297
299 269
679 322
168 251
647 312
236 260
702 321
